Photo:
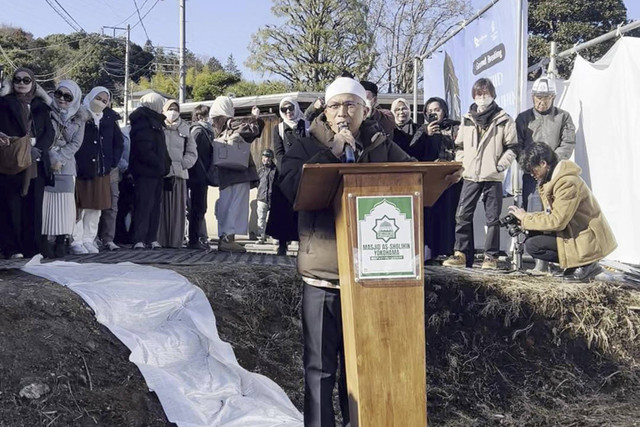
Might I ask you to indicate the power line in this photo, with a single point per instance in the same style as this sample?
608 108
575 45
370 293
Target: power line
130 16
72 18
140 20
86 36
66 16
145 15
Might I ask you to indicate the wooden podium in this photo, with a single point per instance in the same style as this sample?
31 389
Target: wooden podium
379 228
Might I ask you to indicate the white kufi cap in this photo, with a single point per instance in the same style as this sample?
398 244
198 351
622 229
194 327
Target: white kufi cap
343 85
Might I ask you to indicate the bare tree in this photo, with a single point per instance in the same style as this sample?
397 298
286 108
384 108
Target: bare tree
406 28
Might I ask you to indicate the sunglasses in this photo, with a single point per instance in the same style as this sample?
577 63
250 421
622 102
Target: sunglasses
25 80
287 108
61 95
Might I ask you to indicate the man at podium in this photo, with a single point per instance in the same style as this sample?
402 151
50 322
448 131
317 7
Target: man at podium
340 134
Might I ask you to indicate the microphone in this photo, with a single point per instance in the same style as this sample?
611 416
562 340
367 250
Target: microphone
349 155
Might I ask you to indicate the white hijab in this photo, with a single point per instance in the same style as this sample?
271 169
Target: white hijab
222 106
90 96
75 104
153 101
297 114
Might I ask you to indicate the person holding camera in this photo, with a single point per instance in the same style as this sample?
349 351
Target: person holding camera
434 142
486 145
572 230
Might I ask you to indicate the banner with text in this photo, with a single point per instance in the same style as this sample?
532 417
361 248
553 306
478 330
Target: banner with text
489 47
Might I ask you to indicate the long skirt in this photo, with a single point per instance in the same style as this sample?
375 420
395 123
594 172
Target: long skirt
173 208
58 213
232 209
94 193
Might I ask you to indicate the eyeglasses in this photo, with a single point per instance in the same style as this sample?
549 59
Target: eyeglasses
25 80
61 95
287 108
351 106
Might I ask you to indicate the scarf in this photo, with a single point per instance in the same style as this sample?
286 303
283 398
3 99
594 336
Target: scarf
297 114
90 97
152 101
484 118
394 104
74 105
222 106
24 99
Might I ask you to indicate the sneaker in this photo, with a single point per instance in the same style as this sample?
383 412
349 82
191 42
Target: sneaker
541 268
155 245
111 246
489 263
91 248
139 246
17 256
198 245
78 249
262 240
227 244
458 259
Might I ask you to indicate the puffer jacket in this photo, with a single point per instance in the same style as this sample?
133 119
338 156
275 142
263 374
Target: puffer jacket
318 254
181 147
572 212
555 128
480 156
68 140
148 157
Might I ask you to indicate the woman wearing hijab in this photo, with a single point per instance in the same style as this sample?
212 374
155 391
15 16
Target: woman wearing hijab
24 111
69 117
183 153
405 128
283 220
149 162
435 142
232 208
102 138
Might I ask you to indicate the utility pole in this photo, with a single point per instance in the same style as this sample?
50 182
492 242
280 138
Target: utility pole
183 71
126 68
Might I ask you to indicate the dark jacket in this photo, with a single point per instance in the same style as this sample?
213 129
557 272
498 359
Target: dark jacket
42 129
439 146
229 177
265 187
317 256
149 156
101 148
403 135
283 144
203 137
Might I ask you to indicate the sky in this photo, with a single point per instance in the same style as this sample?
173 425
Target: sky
214 27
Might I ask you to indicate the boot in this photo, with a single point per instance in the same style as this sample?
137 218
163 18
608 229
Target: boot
282 247
228 243
60 246
458 259
541 267
45 247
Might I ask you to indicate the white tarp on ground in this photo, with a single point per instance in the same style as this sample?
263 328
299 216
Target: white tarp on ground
169 326
603 99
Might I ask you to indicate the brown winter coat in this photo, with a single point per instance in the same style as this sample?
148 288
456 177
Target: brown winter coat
571 210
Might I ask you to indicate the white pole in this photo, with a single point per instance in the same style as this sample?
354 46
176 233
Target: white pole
183 72
126 76
416 63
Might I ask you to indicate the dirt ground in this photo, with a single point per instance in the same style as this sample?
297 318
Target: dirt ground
501 351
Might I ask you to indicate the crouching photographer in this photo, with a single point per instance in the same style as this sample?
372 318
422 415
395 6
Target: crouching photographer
571 230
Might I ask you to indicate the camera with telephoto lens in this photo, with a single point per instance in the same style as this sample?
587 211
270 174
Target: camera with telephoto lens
512 224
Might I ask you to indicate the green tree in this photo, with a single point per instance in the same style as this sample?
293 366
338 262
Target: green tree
231 67
247 88
318 40
207 85
213 64
570 22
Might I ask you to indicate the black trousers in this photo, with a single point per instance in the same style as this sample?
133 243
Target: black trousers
32 239
126 203
146 212
542 246
197 209
323 346
11 214
491 193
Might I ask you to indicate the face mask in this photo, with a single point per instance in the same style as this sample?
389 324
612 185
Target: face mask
172 116
483 101
96 106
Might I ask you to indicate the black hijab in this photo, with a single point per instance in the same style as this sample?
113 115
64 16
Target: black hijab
24 99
